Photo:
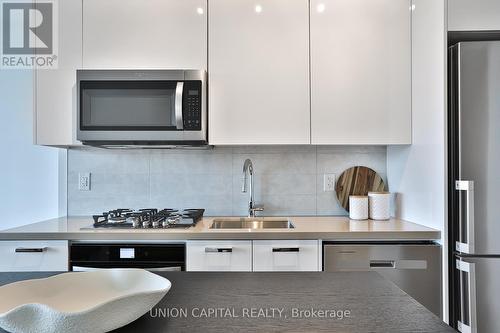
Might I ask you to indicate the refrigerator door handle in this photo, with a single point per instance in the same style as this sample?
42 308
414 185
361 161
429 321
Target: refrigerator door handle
471 296
460 246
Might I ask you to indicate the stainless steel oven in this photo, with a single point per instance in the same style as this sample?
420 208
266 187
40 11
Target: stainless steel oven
142 107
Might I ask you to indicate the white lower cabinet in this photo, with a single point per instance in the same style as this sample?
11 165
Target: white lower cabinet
257 255
285 255
219 256
24 256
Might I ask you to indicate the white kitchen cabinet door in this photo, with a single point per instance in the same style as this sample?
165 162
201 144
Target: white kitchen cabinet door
55 89
32 256
285 255
360 71
470 15
145 34
258 72
219 256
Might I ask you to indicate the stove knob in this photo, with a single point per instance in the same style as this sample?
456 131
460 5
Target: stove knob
174 219
134 220
145 224
165 223
156 224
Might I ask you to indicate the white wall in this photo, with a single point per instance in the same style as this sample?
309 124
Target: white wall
29 174
418 172
473 15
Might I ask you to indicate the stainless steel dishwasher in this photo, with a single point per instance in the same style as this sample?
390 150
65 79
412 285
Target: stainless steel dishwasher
413 267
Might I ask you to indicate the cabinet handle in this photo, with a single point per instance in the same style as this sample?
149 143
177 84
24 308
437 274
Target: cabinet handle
286 249
218 250
31 249
382 264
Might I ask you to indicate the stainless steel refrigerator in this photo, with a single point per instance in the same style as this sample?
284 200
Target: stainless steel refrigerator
474 185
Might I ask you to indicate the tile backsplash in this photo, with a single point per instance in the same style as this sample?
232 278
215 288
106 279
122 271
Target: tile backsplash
288 179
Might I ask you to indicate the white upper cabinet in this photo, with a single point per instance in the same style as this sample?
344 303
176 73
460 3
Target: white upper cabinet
280 71
55 89
145 34
259 72
473 15
360 71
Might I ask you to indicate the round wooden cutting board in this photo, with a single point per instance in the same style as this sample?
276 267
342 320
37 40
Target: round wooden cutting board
357 180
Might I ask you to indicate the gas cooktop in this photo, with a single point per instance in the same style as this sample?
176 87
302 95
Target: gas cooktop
149 218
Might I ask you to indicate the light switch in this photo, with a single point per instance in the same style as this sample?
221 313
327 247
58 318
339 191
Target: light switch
328 182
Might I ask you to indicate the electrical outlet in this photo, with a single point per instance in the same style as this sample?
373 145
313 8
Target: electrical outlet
328 182
84 181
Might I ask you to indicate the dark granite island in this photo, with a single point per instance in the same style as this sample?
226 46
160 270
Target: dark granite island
279 302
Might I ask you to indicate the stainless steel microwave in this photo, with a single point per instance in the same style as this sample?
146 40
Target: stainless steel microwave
134 108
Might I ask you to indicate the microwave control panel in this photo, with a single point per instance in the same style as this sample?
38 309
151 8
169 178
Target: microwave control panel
192 100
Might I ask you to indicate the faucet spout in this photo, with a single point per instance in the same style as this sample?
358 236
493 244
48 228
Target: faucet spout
247 169
248 187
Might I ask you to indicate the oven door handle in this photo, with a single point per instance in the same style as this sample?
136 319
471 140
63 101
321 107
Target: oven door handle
152 269
165 269
179 90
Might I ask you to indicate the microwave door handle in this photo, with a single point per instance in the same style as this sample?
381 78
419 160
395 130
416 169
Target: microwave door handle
178 105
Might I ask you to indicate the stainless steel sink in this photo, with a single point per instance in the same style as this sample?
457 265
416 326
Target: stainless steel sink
252 223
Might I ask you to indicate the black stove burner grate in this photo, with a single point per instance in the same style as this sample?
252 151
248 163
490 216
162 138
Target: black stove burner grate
148 218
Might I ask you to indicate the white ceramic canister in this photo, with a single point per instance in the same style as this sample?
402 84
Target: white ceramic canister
358 207
379 205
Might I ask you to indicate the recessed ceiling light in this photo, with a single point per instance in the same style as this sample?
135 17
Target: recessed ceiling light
320 8
200 10
258 8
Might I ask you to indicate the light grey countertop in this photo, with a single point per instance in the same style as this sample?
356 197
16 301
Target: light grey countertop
312 227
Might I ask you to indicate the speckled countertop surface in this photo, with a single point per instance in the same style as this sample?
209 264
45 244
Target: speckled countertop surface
279 302
313 227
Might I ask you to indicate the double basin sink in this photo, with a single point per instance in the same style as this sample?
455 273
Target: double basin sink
252 223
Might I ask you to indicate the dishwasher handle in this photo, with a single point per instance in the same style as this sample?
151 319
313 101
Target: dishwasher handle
382 264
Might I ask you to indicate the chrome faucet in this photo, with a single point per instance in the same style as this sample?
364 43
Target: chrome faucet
248 169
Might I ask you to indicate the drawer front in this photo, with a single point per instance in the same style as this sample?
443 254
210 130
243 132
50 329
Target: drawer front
33 256
219 256
285 255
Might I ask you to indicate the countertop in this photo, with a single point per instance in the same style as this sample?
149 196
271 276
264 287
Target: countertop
267 302
314 227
